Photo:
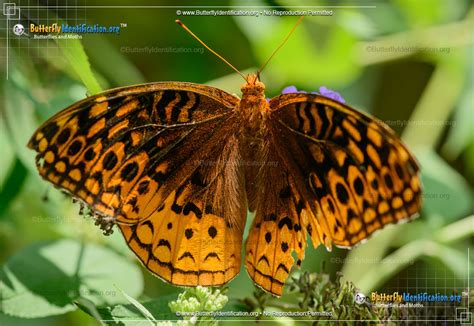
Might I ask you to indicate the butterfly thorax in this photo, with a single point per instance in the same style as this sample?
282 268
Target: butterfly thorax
254 106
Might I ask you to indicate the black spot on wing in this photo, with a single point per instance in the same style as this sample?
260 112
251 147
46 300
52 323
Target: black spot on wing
164 243
285 221
186 254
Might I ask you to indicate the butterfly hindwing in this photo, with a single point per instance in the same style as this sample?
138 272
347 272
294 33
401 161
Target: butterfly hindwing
277 229
195 237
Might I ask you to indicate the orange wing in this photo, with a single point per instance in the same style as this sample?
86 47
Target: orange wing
342 176
195 237
110 148
149 158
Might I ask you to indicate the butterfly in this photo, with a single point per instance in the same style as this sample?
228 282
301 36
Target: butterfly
176 166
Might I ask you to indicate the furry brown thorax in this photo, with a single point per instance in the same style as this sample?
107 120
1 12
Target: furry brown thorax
253 105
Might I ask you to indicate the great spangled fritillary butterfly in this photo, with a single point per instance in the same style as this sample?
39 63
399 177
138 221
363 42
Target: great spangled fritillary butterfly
177 165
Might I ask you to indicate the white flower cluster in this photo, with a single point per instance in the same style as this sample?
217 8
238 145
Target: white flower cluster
198 301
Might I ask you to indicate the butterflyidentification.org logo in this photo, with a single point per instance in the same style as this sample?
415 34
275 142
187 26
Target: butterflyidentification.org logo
407 299
53 31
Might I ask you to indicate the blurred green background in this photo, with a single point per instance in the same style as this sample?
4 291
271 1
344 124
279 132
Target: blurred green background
409 63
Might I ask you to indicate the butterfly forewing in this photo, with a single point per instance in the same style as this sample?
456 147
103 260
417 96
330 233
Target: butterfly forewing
111 148
364 163
342 176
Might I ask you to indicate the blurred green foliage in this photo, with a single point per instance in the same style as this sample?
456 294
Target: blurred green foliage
55 262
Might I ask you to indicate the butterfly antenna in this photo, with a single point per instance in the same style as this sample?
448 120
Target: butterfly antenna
204 44
281 44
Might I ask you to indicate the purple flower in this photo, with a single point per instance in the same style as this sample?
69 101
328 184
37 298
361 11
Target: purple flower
331 94
290 89
293 89
324 91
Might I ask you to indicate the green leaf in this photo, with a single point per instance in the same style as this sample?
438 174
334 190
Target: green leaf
386 19
404 256
47 278
19 121
129 314
456 231
7 159
73 51
427 12
469 160
462 133
366 257
9 320
88 305
128 74
453 259
12 186
445 192
138 305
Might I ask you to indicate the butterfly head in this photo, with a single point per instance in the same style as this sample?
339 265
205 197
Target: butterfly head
253 86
